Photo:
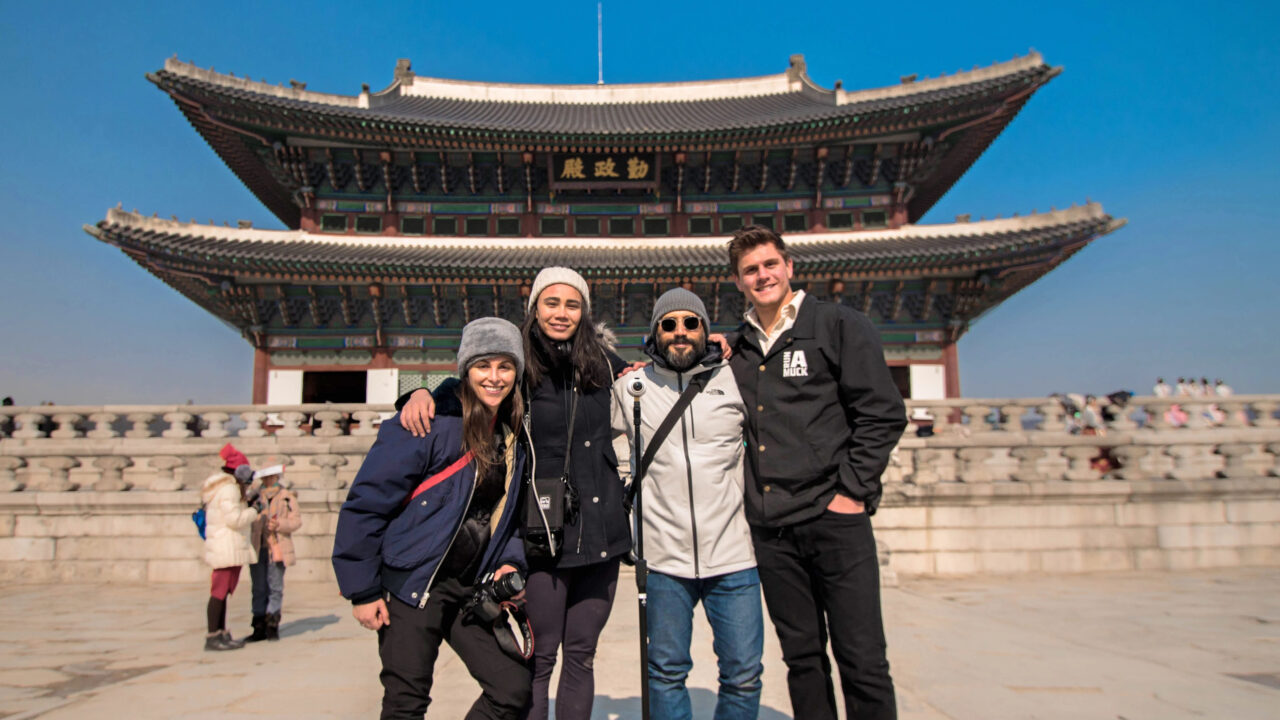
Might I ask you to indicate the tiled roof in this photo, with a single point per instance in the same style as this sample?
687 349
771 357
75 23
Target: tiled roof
786 99
909 250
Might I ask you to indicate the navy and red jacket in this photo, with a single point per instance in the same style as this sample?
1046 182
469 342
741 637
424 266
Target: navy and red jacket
383 544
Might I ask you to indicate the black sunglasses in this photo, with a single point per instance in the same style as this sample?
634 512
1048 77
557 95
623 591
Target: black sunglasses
691 322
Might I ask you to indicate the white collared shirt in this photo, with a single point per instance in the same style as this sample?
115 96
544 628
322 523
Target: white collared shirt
786 320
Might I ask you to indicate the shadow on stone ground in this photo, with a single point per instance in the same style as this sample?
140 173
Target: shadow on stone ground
306 625
1135 645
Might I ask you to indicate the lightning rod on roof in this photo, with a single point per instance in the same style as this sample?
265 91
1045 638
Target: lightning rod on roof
600 43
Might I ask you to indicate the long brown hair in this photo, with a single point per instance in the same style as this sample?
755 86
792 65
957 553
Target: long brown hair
478 424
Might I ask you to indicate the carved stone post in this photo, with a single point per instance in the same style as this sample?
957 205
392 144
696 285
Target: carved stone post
178 425
922 471
253 424
30 426
166 467
1191 462
973 467
330 422
364 422
9 466
112 478
888 578
102 425
1123 421
329 465
1243 460
978 418
1080 468
292 424
1233 414
141 424
1011 417
1274 449
217 425
1053 414
1196 418
1265 409
1131 458
1028 464
66 423
59 468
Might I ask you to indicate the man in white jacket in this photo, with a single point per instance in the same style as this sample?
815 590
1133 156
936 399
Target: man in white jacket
697 541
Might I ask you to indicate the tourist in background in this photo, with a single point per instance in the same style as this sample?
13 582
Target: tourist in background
574 567
1162 389
272 538
226 540
430 521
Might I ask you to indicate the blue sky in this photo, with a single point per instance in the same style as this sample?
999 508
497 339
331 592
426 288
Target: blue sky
1165 113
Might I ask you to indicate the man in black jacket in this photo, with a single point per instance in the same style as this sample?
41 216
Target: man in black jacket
823 414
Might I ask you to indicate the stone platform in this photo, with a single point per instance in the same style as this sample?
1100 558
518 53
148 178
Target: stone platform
1133 645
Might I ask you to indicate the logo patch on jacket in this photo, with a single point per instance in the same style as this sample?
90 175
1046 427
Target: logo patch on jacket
794 364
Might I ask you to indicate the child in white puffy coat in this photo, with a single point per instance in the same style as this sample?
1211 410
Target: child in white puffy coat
226 545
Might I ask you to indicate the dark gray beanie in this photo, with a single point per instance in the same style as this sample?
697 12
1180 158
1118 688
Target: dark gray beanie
677 298
490 336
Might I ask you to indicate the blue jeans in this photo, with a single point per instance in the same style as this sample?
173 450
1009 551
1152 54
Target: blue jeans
732 604
268 584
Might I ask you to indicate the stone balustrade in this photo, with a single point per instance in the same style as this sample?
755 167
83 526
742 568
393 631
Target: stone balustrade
975 485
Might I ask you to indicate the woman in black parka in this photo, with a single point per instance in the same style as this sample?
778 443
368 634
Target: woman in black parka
569 596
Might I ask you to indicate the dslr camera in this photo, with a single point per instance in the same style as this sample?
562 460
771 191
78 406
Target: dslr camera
486 604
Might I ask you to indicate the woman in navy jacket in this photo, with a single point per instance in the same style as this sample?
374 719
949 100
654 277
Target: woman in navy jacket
570 368
429 519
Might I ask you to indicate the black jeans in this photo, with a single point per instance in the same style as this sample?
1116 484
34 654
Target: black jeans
568 607
410 644
820 577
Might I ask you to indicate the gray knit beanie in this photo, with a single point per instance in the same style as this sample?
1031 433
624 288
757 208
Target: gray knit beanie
490 336
677 298
559 276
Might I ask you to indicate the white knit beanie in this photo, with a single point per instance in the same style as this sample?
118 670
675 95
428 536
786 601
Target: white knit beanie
559 276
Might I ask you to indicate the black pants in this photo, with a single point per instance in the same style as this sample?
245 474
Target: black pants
410 644
822 577
568 609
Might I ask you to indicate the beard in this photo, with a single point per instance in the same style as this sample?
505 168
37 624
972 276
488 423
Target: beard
682 358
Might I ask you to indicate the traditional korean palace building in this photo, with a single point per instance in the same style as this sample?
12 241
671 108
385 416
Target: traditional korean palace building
417 208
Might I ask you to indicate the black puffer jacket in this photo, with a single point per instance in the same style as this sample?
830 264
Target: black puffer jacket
601 530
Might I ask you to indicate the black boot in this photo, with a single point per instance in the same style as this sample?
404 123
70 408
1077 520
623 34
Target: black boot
273 626
259 629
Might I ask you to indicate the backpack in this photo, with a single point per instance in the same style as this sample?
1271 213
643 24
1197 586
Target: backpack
197 517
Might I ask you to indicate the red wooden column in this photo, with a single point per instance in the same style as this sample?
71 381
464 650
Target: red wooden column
261 360
951 361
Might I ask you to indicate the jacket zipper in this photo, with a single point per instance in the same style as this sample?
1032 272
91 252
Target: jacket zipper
426 591
688 464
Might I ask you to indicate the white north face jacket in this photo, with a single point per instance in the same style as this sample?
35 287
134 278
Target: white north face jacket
694 525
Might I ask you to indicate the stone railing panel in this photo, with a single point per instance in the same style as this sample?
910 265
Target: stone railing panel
998 485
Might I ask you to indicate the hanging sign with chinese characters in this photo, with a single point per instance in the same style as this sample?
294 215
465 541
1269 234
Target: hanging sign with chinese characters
581 170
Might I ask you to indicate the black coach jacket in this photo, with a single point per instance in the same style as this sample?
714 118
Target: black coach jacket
823 414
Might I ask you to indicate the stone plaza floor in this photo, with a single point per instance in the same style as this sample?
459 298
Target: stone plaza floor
1130 646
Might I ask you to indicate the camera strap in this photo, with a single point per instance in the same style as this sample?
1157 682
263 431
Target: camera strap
695 386
507 638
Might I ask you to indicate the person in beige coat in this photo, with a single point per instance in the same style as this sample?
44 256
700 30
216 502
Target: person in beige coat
226 541
272 538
